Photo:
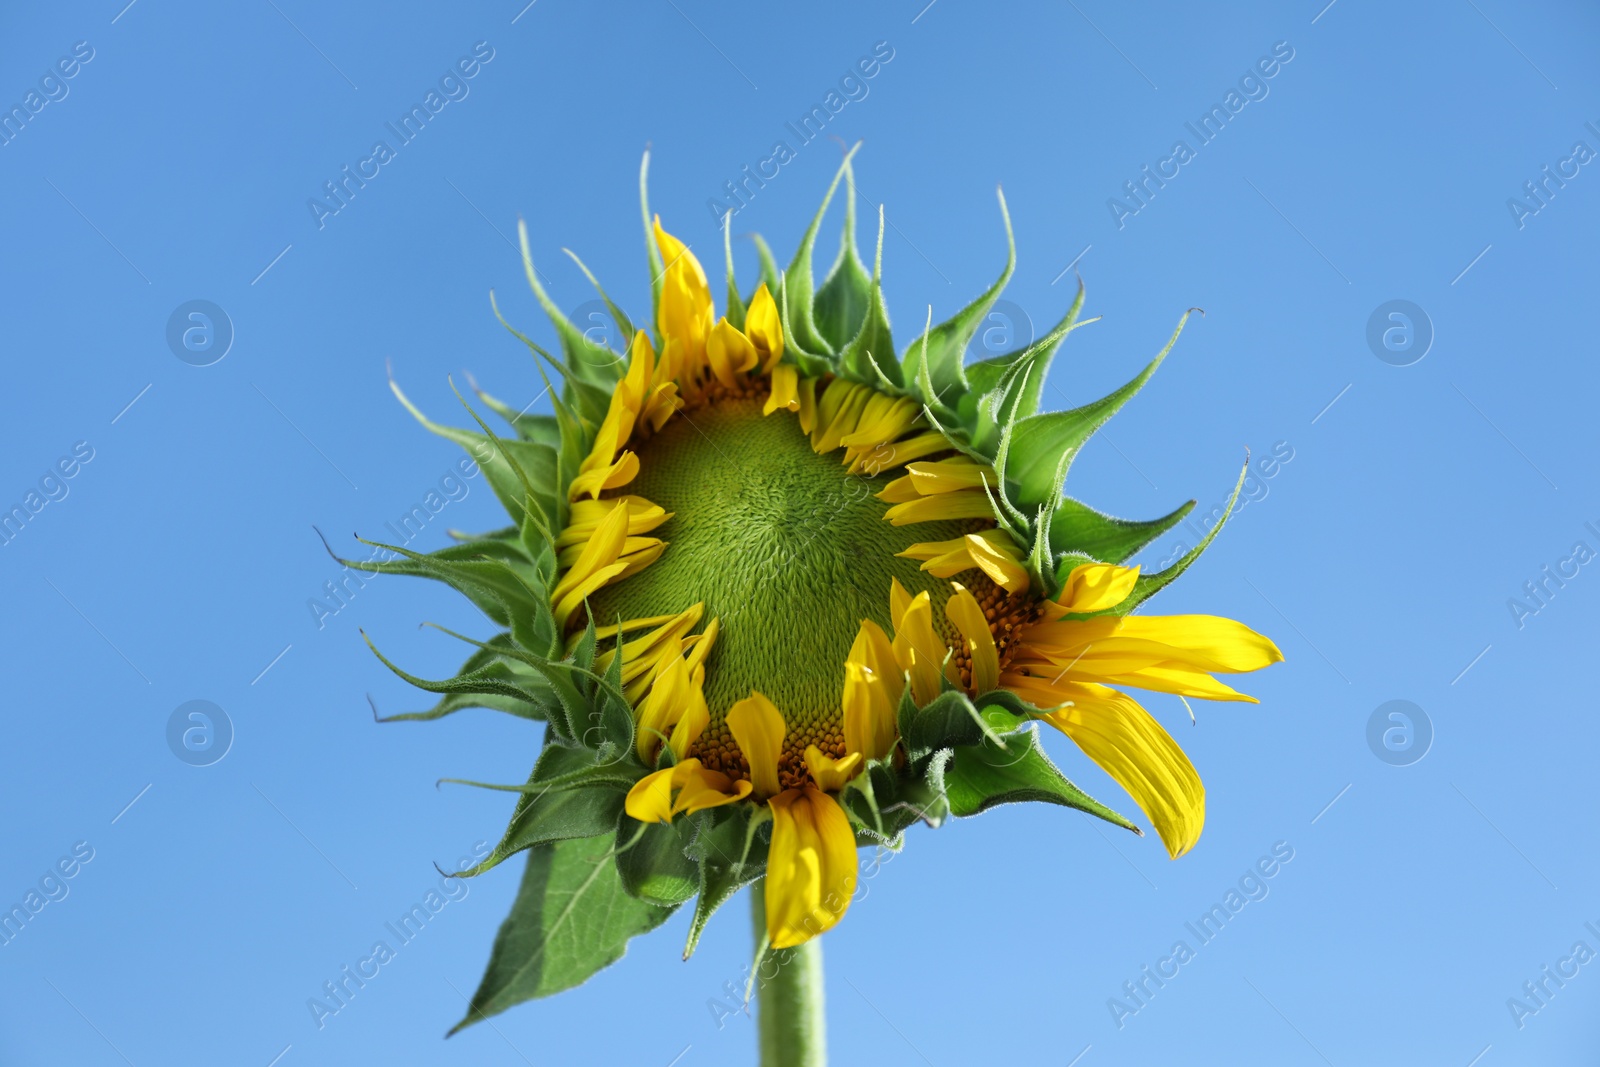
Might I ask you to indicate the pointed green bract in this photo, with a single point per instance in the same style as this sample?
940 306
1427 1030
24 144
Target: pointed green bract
840 306
800 325
570 919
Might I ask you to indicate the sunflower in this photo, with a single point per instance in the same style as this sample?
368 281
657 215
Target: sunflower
778 593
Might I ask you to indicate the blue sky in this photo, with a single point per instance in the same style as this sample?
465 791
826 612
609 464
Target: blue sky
1385 158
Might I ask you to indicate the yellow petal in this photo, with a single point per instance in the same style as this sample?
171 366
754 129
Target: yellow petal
1096 587
1130 746
700 788
696 717
919 649
758 728
963 610
661 709
873 650
900 491
962 505
729 352
949 475
808 405
598 479
831 774
650 799
998 561
811 866
785 389
869 713
762 326
845 412
924 444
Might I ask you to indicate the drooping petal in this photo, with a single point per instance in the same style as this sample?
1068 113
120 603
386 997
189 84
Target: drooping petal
964 611
729 353
1096 587
785 394
1130 746
811 866
697 788
758 729
962 505
831 774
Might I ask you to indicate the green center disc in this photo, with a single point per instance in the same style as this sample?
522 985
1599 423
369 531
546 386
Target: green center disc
786 547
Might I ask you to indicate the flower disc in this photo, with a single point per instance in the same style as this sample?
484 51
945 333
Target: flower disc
786 547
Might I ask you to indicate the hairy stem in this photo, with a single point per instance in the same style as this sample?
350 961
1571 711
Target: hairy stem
790 1009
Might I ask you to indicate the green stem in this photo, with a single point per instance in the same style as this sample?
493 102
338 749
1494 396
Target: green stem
790 1009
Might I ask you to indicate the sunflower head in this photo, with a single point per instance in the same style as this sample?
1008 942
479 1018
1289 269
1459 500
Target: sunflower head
778 591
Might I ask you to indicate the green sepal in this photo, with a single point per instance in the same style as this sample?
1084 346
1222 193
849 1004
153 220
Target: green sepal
840 306
769 274
1040 444
624 323
539 429
571 917
1015 770
500 461
736 306
800 327
652 253
869 357
492 585
946 347
582 396
1148 585
485 680
1006 390
598 365
730 854
568 795
1076 527
811 364
652 863
948 720
536 704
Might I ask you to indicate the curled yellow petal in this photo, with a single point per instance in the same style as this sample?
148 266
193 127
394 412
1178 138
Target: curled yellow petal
831 774
785 390
758 728
762 326
696 787
1130 746
964 611
1096 587
729 352
949 475
811 866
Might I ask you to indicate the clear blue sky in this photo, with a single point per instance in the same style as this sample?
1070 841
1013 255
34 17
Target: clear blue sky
176 562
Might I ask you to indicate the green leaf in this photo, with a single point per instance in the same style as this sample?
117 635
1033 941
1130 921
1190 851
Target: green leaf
1076 527
841 304
948 720
571 918
624 324
652 863
982 776
568 795
540 429
947 343
769 270
1041 444
800 326
735 310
